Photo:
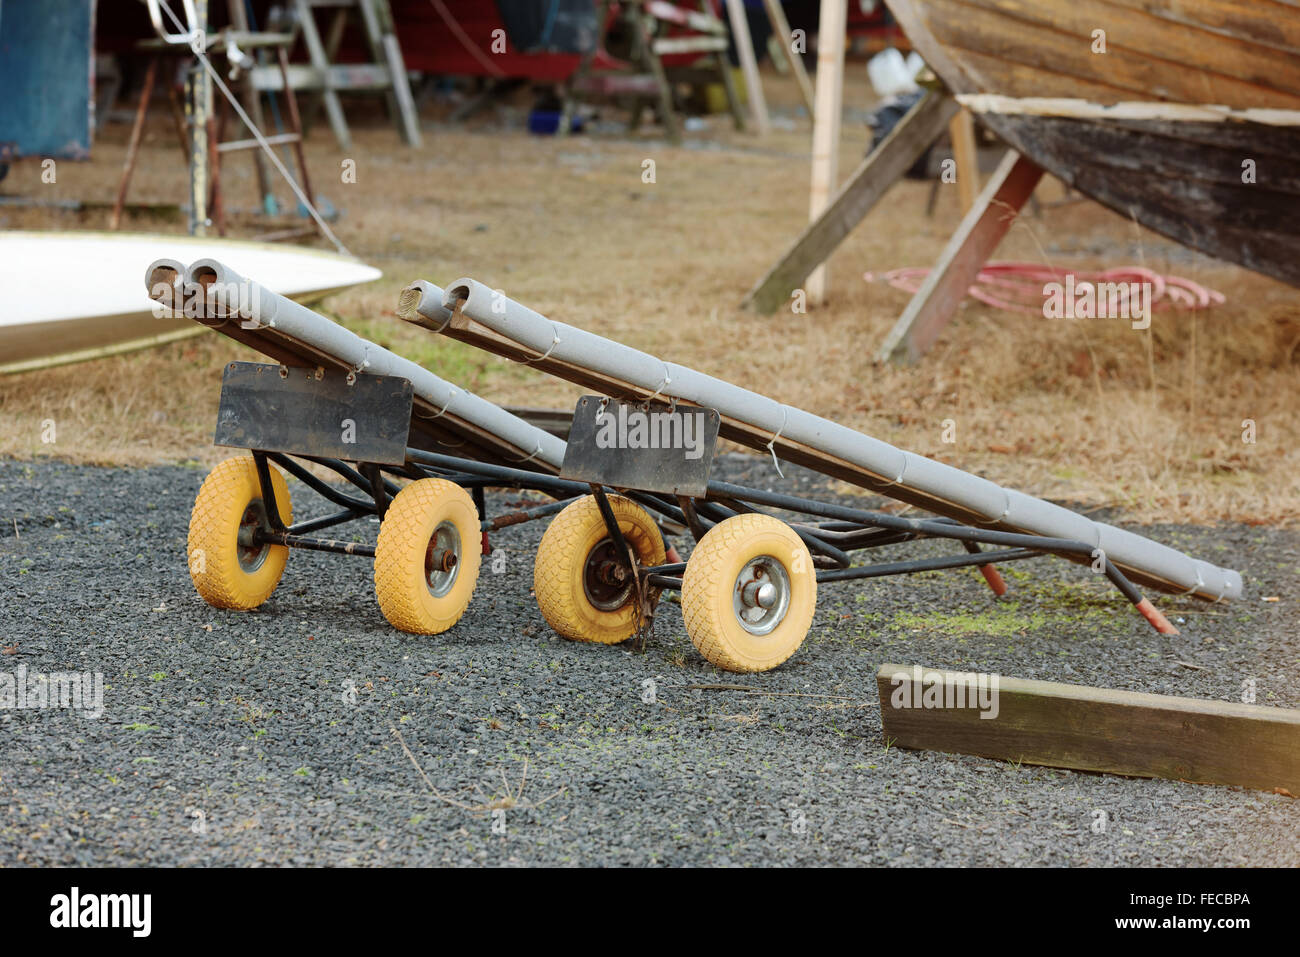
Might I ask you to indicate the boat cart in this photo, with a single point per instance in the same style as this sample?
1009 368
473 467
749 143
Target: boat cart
749 590
416 451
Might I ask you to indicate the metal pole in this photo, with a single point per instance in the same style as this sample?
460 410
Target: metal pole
198 108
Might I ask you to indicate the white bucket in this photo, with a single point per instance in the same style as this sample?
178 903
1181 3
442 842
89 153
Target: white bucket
889 74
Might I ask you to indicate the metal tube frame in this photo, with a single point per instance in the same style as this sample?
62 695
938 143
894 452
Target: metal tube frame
831 532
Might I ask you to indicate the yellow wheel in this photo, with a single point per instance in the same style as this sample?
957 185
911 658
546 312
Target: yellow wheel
584 588
749 593
228 570
427 557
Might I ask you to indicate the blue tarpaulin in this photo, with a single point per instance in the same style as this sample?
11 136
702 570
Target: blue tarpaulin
46 76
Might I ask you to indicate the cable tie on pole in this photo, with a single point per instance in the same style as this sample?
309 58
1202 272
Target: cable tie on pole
645 406
771 445
532 455
445 406
555 341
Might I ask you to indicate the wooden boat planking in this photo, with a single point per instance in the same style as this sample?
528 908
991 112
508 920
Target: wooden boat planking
1229 187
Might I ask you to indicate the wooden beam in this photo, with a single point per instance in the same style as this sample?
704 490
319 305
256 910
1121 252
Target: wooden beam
881 168
969 248
749 64
642 26
1094 729
667 46
961 130
831 34
781 27
321 68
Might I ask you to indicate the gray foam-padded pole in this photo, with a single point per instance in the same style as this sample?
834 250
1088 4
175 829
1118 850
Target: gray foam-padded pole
228 292
954 492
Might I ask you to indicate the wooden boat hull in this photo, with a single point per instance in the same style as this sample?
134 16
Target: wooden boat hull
1182 180
1228 187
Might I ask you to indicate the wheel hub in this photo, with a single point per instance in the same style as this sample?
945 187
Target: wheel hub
606 579
442 559
761 596
251 554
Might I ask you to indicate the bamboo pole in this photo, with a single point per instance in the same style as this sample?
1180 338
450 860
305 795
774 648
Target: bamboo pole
961 130
826 124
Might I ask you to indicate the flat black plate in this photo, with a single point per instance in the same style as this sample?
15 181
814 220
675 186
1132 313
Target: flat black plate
368 421
622 445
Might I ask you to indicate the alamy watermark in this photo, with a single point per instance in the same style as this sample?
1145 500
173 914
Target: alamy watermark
1098 300
637 429
82 692
926 688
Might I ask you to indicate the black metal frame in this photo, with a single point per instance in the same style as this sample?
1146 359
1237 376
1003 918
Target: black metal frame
838 532
369 478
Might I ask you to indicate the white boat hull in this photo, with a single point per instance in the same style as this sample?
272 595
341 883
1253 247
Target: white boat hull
46 317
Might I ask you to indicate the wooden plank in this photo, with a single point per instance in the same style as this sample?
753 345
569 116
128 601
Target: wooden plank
961 130
1136 36
682 17
881 168
649 59
666 46
408 115
826 126
980 231
1091 729
339 76
781 27
1258 22
1054 42
749 65
321 65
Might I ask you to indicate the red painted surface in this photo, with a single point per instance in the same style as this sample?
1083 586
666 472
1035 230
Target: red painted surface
1158 621
432 45
994 578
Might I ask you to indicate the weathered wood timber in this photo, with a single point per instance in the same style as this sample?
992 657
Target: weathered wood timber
1091 729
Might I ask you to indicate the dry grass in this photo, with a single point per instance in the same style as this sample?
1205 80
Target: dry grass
1088 410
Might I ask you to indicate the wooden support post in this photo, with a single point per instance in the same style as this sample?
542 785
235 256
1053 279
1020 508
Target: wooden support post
198 108
969 248
962 133
378 18
1092 729
781 27
251 100
574 83
641 26
749 64
883 166
321 64
728 81
216 203
133 146
831 34
295 124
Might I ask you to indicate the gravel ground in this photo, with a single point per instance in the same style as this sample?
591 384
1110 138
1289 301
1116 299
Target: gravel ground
267 737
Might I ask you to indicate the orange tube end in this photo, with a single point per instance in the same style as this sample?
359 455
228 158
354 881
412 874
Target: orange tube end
1158 621
994 578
